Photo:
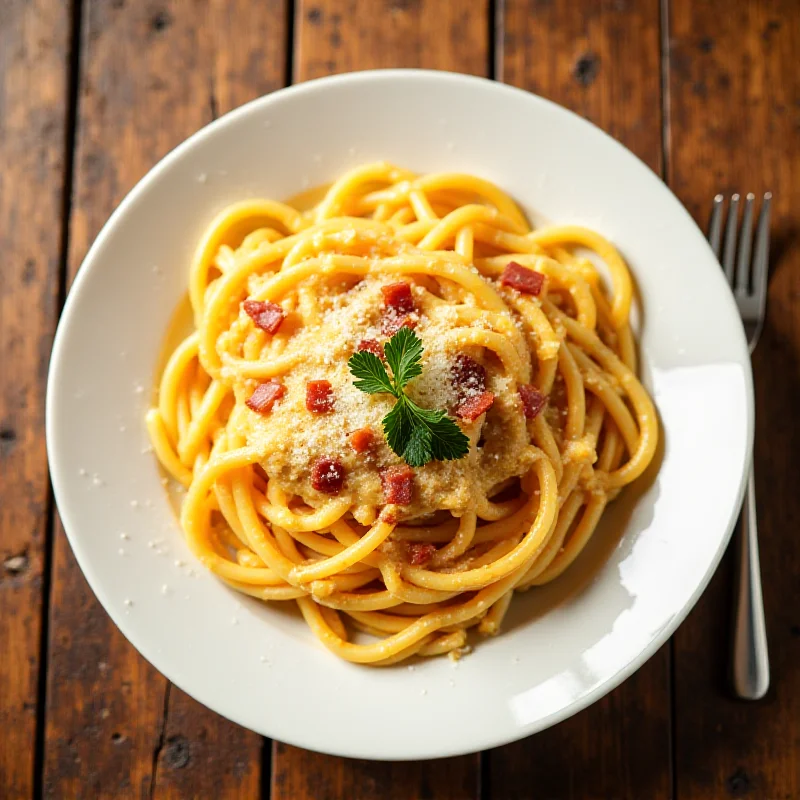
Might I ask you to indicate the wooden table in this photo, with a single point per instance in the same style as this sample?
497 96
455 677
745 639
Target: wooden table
93 93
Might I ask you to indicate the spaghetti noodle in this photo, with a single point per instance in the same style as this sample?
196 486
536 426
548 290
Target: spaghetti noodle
292 490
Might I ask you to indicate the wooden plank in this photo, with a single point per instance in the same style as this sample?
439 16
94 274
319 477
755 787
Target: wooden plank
34 65
734 91
202 755
113 726
299 774
336 36
580 55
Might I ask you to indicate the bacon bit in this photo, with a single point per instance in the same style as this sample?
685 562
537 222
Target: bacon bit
469 377
398 307
265 396
397 485
362 440
420 553
522 279
265 315
327 475
474 406
319 397
533 401
469 380
398 297
371 346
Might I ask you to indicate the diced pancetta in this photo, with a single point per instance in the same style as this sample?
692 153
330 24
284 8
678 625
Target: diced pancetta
522 279
533 401
327 475
319 397
397 484
265 396
265 315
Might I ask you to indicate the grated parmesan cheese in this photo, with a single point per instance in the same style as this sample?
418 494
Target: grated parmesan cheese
292 439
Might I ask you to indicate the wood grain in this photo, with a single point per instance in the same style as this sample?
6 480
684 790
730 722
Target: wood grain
336 36
151 74
201 755
154 72
299 774
580 55
734 91
34 55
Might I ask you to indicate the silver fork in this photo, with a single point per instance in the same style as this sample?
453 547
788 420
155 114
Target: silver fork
747 278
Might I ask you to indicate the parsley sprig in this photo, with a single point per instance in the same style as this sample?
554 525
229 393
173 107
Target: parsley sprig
418 435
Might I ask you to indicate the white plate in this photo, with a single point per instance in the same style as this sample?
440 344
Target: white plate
565 645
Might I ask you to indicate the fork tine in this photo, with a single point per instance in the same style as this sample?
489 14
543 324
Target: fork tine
745 246
715 225
729 252
761 254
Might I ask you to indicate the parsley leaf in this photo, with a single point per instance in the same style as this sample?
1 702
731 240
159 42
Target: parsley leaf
397 427
447 440
372 374
404 354
418 435
418 451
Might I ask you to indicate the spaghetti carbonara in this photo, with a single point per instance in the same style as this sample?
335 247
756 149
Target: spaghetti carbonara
521 418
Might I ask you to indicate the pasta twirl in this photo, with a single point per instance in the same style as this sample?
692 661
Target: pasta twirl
293 492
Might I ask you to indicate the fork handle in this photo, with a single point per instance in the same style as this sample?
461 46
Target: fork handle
750 657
